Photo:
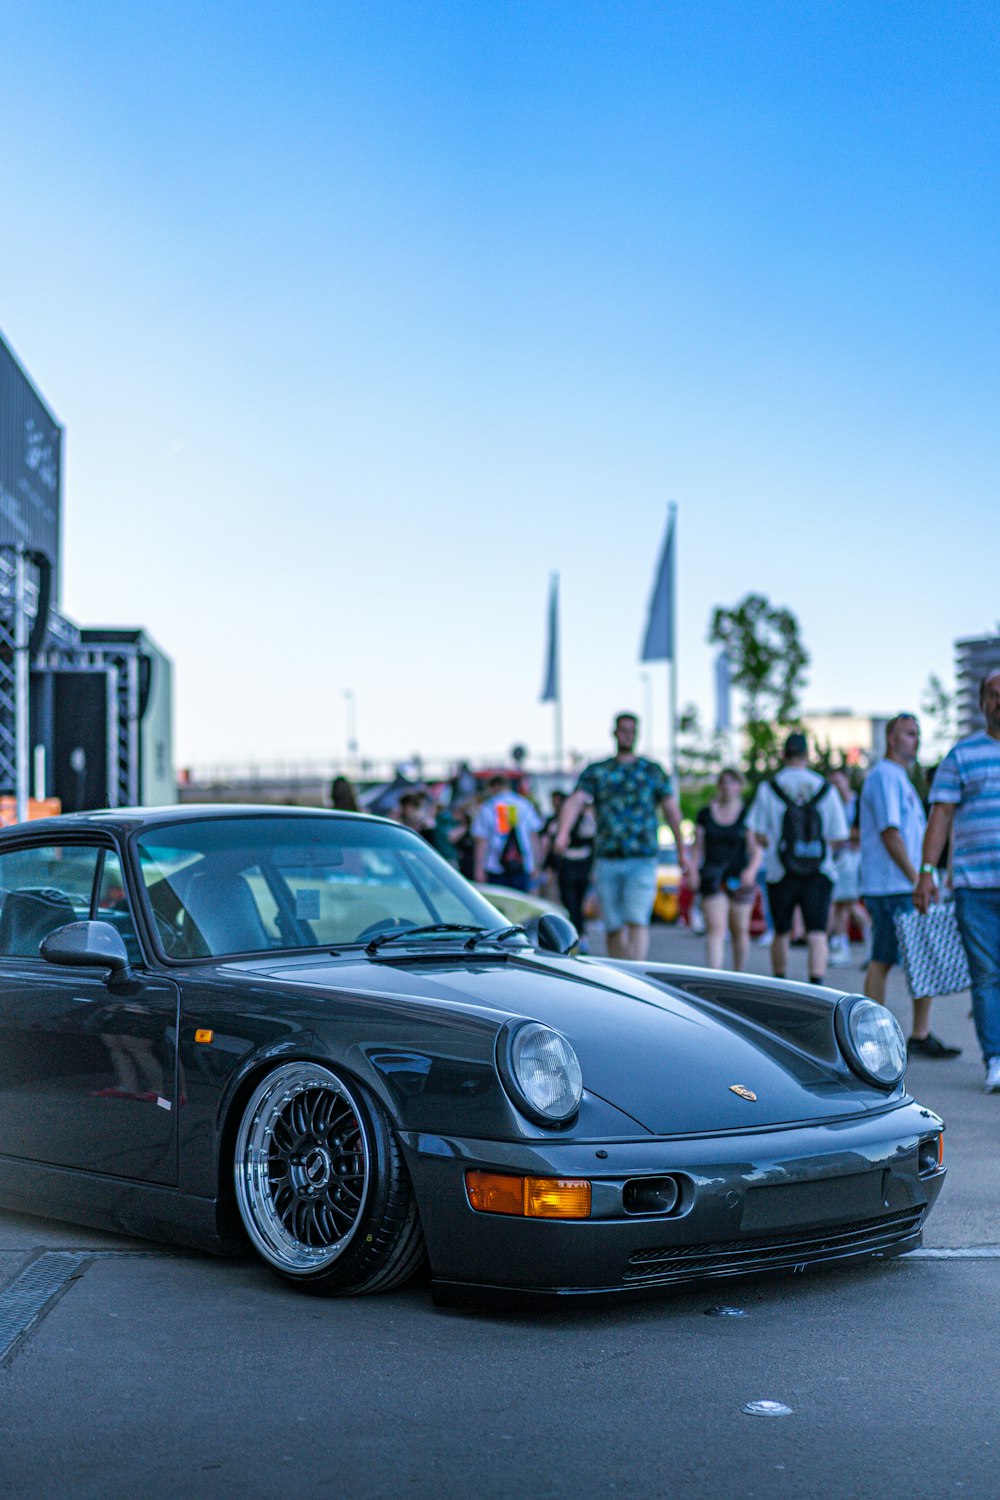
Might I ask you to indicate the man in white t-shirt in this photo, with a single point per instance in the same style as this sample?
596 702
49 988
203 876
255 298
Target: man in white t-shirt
505 837
798 820
965 806
892 823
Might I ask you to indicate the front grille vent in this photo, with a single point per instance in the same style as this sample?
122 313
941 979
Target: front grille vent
670 1263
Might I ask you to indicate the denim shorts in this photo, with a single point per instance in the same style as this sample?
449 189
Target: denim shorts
626 889
883 911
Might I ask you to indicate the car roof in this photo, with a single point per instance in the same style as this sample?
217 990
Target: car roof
134 819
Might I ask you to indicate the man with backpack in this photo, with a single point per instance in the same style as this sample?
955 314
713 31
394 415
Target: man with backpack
505 837
798 820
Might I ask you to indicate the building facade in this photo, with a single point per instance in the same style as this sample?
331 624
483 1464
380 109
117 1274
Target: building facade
84 714
974 657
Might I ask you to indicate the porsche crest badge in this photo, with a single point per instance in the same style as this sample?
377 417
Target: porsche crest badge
737 1088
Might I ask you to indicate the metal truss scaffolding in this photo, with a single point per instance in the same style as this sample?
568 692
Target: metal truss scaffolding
120 664
18 605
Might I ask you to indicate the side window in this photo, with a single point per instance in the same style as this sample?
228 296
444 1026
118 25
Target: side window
42 888
112 905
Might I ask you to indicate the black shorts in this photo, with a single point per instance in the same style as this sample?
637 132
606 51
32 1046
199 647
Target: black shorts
714 879
811 893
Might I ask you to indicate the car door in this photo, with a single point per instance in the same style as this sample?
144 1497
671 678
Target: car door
88 1068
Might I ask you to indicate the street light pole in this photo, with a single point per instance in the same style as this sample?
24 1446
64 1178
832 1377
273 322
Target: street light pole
351 714
647 709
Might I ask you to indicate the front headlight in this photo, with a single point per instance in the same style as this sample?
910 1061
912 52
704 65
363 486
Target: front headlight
540 1072
871 1040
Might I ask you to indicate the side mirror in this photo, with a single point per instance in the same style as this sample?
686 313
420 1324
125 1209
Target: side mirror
552 933
87 945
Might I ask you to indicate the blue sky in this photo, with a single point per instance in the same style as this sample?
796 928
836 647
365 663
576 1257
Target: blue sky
363 317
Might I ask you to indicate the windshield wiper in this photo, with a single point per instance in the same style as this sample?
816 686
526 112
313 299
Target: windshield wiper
400 933
494 935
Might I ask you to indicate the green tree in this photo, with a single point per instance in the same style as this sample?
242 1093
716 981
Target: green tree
699 761
938 708
768 664
699 751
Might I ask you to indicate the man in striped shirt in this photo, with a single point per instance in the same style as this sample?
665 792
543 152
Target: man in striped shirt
965 801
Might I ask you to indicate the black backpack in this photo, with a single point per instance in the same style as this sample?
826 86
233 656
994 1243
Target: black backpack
512 855
801 847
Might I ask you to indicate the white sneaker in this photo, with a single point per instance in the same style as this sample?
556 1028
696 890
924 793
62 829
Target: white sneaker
839 958
992 1084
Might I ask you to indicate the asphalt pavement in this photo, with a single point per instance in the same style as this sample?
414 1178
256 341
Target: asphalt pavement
155 1373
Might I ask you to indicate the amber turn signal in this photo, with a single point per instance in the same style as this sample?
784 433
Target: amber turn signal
529 1197
203 1035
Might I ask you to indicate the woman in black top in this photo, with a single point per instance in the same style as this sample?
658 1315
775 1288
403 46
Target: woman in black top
573 867
727 870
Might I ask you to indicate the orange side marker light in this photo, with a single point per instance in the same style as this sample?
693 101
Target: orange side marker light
204 1035
529 1197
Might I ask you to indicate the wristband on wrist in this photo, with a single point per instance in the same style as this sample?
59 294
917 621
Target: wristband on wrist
928 869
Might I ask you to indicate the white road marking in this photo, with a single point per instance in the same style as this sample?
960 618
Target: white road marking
958 1252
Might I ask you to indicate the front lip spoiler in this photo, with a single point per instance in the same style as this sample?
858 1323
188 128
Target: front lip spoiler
447 1292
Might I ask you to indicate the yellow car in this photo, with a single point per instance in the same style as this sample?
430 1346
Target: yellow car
519 906
667 902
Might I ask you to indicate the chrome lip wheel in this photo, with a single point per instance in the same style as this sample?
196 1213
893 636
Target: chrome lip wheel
303 1168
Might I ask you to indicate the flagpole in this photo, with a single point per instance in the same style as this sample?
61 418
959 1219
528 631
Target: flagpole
552 687
660 638
723 708
672 664
557 705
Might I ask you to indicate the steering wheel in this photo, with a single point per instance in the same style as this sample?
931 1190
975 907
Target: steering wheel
387 924
170 935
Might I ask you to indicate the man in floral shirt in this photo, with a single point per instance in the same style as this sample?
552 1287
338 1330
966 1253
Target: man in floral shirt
627 793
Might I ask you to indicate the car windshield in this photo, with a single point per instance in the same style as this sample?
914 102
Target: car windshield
226 885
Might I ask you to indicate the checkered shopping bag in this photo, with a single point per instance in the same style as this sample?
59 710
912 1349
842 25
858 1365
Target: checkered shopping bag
931 949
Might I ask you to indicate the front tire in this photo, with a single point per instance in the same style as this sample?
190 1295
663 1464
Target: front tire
321 1186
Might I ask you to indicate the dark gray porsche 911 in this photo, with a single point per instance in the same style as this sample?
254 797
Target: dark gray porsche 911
304 1030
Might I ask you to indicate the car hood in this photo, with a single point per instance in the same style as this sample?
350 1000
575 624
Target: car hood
644 1047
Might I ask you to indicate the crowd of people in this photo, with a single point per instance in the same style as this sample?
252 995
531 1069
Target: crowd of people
821 860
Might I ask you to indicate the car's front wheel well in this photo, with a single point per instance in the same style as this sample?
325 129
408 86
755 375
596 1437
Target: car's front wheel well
312 1170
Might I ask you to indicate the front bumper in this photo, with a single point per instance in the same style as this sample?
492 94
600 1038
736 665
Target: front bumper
754 1202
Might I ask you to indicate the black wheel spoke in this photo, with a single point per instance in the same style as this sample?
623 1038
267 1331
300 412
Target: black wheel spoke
326 1220
298 1115
321 1115
312 1109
